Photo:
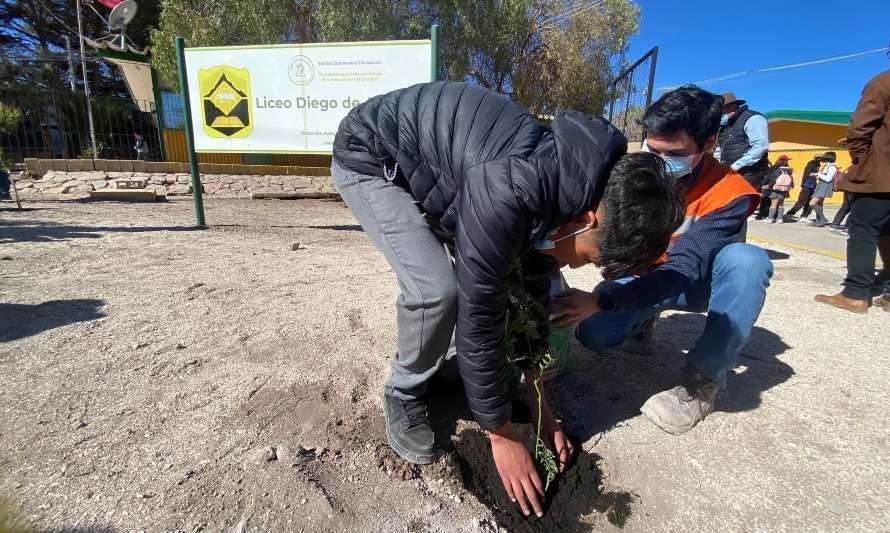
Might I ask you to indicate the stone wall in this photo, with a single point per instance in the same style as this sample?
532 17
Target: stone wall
170 184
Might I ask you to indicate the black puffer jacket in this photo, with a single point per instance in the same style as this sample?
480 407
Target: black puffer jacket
496 180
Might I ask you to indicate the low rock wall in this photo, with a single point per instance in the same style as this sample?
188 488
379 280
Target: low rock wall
171 184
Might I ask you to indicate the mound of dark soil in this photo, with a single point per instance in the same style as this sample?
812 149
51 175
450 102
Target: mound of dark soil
571 500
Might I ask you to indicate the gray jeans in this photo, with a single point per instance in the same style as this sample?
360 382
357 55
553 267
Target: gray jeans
426 309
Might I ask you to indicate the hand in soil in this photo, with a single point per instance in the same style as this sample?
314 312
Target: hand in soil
516 469
554 437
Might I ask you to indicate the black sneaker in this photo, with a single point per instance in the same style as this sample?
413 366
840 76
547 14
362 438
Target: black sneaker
408 430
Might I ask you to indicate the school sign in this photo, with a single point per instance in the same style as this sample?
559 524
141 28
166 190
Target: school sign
291 98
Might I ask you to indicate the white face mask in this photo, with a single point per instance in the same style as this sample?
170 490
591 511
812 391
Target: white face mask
677 165
547 244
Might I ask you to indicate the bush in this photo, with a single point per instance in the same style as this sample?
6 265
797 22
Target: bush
9 117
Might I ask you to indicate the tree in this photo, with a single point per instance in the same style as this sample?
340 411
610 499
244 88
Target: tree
549 55
572 67
32 43
10 117
226 23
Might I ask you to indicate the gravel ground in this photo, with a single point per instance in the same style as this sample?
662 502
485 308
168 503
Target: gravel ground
160 378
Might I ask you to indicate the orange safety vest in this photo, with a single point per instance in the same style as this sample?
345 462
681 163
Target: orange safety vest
717 186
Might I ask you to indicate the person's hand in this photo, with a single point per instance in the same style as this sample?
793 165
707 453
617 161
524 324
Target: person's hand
572 306
516 469
551 431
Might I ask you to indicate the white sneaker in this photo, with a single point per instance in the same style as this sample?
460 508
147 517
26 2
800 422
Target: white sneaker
781 221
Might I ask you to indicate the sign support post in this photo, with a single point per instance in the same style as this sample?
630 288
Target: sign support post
434 41
197 190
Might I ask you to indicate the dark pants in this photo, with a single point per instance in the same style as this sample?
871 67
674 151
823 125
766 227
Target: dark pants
869 219
763 208
843 211
803 202
4 183
754 175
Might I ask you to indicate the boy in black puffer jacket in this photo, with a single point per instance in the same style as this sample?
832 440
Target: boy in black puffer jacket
449 163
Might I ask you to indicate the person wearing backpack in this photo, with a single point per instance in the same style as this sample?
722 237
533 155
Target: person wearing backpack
778 192
824 188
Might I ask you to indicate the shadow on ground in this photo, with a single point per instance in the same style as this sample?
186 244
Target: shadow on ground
35 231
599 391
775 255
18 321
338 227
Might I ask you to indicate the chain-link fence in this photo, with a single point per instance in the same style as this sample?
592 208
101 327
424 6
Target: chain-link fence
630 94
55 125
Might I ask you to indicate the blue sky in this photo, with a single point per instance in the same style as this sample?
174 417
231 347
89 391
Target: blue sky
699 40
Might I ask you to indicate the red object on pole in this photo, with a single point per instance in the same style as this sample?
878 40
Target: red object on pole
110 4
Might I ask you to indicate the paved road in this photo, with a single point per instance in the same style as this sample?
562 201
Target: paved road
801 236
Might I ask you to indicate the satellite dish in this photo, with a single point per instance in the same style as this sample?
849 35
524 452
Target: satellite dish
121 15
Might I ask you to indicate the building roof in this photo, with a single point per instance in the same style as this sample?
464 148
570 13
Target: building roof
840 118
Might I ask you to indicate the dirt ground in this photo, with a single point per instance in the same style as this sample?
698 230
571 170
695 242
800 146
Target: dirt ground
162 378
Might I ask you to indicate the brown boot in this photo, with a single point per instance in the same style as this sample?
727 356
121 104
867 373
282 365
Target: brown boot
884 302
839 300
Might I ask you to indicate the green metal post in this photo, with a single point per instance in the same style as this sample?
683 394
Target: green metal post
434 64
159 112
189 134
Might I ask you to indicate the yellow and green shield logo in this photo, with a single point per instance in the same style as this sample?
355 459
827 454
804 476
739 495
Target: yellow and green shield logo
225 102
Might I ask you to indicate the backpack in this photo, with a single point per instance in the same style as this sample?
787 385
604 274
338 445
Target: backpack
784 182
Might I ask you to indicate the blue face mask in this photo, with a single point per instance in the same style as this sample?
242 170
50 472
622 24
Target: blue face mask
677 165
724 120
547 244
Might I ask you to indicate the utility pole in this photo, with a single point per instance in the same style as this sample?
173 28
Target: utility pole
70 63
86 82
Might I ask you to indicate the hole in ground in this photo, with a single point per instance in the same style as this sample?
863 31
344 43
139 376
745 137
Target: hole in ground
571 501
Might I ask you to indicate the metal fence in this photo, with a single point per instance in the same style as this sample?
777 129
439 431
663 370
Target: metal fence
55 125
631 93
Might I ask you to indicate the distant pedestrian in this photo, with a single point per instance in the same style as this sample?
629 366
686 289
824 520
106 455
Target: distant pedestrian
766 188
868 139
807 185
743 142
779 190
4 184
140 147
824 188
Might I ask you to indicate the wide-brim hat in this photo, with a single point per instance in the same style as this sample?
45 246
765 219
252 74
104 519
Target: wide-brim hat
729 98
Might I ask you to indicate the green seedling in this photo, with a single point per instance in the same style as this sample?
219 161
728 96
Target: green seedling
530 352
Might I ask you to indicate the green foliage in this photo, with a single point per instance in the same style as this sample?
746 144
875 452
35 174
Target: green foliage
221 23
87 150
37 30
10 117
571 67
514 47
522 331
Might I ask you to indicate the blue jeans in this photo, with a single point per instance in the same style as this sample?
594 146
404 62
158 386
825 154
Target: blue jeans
732 294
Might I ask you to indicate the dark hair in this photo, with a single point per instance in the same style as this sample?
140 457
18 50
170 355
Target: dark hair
687 108
643 206
831 157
